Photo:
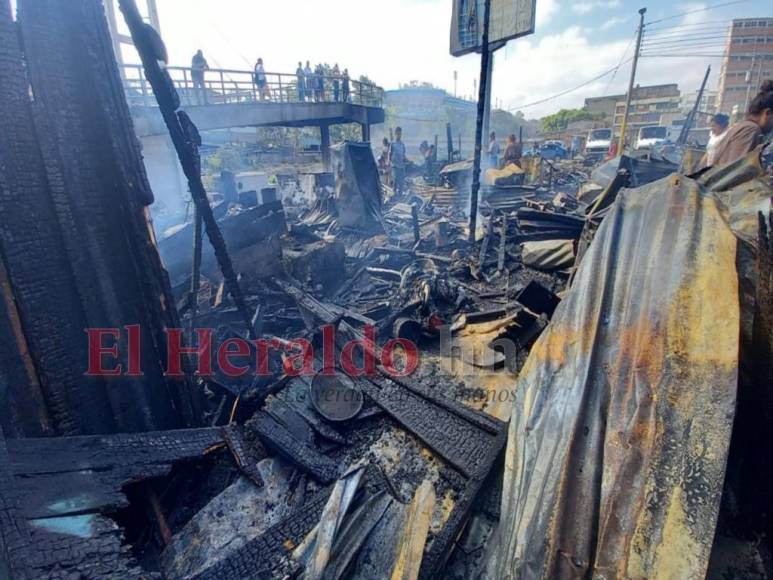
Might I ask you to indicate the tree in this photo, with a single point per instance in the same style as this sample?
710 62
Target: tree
560 121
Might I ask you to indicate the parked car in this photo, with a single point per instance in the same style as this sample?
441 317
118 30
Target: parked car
553 150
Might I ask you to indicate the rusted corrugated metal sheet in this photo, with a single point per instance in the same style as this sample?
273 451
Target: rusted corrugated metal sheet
622 418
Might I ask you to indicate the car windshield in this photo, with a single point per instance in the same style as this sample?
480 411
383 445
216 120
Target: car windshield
601 134
653 133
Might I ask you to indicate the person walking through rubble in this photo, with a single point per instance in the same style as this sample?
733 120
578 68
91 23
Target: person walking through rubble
198 66
345 85
300 75
397 160
743 137
493 150
308 75
512 152
336 81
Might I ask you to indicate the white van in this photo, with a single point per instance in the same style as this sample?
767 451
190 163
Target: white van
598 143
649 136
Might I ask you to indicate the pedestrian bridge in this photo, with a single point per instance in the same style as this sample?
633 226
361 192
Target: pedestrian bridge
230 98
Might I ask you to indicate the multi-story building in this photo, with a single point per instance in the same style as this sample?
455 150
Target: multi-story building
423 111
651 105
708 104
748 61
604 105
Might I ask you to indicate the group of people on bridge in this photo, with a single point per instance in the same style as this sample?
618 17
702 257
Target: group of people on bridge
311 83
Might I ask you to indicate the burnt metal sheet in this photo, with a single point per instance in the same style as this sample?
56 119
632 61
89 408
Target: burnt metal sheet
623 412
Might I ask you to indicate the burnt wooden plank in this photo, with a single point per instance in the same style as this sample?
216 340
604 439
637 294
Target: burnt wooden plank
102 452
261 556
436 557
276 436
246 454
461 442
98 187
40 275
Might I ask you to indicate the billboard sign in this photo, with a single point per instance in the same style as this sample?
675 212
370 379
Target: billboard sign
509 19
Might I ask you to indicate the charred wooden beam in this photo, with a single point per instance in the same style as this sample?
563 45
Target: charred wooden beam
259 557
461 437
276 436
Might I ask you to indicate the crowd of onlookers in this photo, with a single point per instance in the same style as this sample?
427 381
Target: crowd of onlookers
312 84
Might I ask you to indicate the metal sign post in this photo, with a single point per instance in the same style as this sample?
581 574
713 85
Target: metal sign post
482 86
485 26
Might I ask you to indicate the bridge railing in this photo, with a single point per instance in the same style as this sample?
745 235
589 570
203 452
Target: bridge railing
238 86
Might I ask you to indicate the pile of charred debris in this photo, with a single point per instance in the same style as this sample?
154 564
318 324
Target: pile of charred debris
572 390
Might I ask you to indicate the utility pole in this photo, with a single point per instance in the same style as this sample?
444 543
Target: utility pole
484 71
456 78
624 126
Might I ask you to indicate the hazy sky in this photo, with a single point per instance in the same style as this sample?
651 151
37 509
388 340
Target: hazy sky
397 41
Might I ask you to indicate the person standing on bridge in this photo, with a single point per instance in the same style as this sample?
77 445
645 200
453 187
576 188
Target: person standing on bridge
260 80
336 81
300 74
346 85
320 83
309 78
198 66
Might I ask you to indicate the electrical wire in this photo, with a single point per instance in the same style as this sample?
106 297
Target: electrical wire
625 52
706 41
686 33
684 41
682 35
566 92
682 46
687 26
704 9
681 55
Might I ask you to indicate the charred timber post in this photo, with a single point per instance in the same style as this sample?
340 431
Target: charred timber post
151 49
484 59
196 273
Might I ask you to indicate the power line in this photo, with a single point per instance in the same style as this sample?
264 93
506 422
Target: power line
705 9
704 39
694 26
707 34
566 92
681 55
688 34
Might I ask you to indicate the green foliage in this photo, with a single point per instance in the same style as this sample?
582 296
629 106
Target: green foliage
561 120
224 159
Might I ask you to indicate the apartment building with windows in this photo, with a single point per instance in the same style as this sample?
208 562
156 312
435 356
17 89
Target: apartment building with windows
747 61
